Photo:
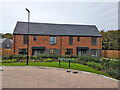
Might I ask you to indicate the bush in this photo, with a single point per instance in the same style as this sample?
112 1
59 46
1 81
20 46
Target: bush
73 59
9 57
4 61
4 57
114 64
8 61
33 57
115 73
85 59
48 60
38 57
24 56
105 63
13 60
95 65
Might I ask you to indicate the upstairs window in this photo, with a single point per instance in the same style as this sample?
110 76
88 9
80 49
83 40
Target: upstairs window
52 40
78 39
7 45
25 39
93 40
70 40
35 38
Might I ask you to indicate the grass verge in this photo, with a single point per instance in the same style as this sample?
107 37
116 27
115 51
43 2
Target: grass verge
65 65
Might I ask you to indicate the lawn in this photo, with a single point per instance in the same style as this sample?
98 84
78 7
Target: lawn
65 65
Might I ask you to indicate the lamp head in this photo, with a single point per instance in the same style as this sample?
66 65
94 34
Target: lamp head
27 10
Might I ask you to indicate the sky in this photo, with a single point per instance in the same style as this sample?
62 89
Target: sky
102 14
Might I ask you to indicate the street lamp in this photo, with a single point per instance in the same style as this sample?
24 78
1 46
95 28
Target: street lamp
28 35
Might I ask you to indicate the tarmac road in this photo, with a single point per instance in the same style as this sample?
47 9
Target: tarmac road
38 77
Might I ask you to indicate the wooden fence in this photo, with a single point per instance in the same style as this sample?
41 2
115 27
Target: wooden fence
111 53
5 52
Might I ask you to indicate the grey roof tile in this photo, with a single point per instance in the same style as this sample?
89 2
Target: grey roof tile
2 40
56 29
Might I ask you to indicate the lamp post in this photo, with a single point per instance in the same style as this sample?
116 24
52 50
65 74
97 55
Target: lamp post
28 35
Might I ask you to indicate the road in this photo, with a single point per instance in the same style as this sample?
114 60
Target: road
39 77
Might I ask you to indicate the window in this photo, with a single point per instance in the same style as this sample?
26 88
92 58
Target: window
94 52
38 52
52 40
83 51
51 52
70 40
93 40
25 39
7 45
23 51
35 38
78 38
41 51
69 52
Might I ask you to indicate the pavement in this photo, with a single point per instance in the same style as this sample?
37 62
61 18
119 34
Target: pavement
41 77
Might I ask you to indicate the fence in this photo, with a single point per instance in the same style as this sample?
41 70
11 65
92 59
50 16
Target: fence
111 53
5 52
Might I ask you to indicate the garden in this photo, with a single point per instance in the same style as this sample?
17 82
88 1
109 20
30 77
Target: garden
102 66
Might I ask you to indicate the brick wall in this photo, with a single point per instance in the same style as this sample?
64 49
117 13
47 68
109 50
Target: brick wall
44 41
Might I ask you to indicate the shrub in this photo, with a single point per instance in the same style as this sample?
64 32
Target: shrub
38 57
73 59
9 61
95 65
4 61
33 57
114 64
12 56
4 57
48 60
24 56
13 60
114 73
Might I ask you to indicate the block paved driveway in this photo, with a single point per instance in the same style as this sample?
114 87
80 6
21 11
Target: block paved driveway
39 77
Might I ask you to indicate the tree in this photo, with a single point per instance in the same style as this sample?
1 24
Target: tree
7 35
110 39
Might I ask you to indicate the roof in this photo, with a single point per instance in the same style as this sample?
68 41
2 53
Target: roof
11 40
56 29
2 40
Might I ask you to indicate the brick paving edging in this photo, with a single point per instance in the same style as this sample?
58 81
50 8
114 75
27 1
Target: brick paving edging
42 67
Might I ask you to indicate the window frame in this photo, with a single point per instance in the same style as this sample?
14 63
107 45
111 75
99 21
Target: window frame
7 45
54 41
95 41
70 40
25 53
34 38
68 51
78 38
25 39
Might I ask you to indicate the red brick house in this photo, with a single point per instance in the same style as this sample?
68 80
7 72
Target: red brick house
57 39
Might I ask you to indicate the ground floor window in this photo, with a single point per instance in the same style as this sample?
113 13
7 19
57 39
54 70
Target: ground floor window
38 52
22 51
94 52
69 52
51 52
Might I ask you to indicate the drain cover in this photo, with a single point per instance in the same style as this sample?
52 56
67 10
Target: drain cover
75 71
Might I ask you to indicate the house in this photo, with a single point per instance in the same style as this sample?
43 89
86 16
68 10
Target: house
57 39
5 46
5 43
